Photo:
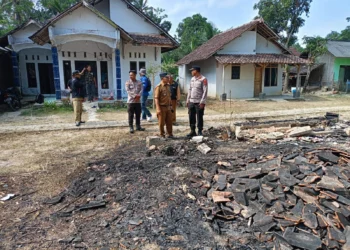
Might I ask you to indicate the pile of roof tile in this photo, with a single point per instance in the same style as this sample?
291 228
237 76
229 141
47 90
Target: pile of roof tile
299 200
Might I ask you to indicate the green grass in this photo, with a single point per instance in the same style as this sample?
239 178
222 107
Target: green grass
49 108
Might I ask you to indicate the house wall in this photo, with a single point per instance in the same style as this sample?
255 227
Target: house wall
265 46
103 7
32 57
245 44
129 20
328 68
242 88
274 90
90 48
153 59
22 36
337 63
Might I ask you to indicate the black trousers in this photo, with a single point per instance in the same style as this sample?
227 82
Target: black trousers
134 109
196 116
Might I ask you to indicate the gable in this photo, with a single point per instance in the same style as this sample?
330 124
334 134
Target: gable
244 44
129 20
83 19
103 7
22 35
265 46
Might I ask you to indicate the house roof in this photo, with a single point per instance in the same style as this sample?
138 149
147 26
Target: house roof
219 41
260 58
339 49
294 51
4 39
303 68
42 36
151 39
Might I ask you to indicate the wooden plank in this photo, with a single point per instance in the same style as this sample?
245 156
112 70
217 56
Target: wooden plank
221 196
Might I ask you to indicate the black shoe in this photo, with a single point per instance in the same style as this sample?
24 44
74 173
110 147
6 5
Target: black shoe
140 129
193 133
77 124
82 122
131 130
171 137
200 133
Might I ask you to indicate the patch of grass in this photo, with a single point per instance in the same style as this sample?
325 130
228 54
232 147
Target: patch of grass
110 108
48 108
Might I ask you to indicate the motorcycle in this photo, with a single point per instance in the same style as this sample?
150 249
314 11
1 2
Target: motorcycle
12 98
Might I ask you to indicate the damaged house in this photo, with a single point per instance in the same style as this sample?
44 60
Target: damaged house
112 36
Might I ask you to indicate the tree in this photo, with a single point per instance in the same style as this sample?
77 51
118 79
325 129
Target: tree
153 70
315 47
54 7
343 35
284 17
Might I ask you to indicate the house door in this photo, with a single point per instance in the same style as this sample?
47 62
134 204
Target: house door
47 85
258 81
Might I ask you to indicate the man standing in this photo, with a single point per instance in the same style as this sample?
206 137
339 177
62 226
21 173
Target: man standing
146 88
162 97
78 95
134 89
196 99
90 82
175 96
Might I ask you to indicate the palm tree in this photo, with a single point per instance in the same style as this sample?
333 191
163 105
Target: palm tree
141 5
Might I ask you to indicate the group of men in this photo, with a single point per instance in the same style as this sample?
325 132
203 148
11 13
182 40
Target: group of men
166 95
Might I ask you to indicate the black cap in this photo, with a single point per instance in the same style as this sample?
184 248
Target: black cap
163 74
195 67
75 72
132 71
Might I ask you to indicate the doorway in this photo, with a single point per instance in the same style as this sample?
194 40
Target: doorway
258 81
47 85
80 65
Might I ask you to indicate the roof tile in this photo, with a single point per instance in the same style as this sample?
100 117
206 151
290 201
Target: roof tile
260 58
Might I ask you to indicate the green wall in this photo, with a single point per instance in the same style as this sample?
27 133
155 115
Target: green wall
337 63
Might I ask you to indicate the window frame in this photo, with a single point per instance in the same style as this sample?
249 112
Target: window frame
269 69
239 72
28 75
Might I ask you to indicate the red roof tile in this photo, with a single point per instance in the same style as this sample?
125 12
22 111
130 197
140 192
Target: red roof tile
260 58
151 39
217 42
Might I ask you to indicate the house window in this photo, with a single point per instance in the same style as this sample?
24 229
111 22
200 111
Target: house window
26 57
144 55
68 54
271 74
31 75
104 75
67 72
38 58
133 66
130 55
33 57
142 65
47 58
236 72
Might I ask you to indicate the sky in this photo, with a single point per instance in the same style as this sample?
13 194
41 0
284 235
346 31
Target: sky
325 15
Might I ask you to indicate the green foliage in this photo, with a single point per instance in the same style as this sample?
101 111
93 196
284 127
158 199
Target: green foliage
48 108
284 17
315 46
299 47
343 35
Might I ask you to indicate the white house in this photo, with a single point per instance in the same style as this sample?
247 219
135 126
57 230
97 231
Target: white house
243 61
112 36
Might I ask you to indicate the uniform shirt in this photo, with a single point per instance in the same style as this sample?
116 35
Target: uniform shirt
163 94
175 91
133 89
77 88
88 77
144 80
198 90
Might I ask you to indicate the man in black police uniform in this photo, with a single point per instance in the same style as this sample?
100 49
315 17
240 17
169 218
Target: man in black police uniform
196 99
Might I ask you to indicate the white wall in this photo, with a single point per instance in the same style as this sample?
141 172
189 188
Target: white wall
84 21
90 48
265 46
22 36
277 90
328 69
242 88
245 44
103 7
45 56
129 20
153 58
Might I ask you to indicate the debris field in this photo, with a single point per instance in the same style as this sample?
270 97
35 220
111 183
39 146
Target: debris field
212 192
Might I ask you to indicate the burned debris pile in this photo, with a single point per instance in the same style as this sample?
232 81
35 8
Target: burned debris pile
298 200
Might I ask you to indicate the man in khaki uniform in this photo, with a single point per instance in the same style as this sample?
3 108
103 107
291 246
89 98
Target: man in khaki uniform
196 99
162 97
175 96
78 95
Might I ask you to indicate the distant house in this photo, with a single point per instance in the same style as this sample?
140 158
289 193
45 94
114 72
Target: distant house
336 63
243 61
112 36
315 79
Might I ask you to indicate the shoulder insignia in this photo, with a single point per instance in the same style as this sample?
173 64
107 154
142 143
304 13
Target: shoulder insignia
205 81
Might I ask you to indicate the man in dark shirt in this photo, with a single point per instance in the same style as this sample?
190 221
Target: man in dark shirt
78 95
90 82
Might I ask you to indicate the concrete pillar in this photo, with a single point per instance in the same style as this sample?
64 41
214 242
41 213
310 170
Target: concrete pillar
56 72
15 69
118 75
